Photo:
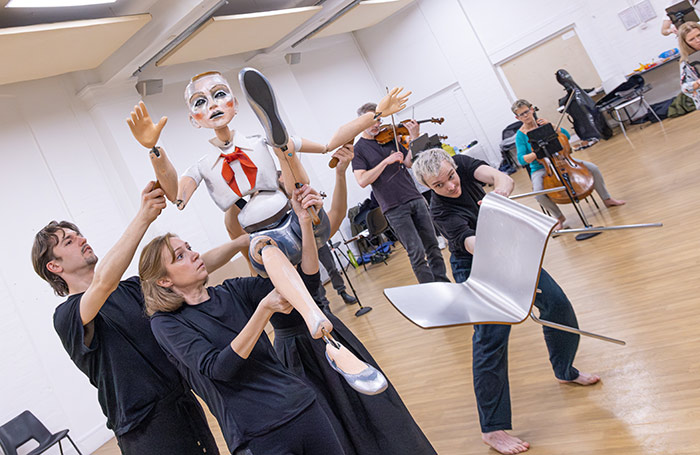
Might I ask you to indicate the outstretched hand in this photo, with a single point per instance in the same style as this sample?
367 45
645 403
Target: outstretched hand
393 102
143 128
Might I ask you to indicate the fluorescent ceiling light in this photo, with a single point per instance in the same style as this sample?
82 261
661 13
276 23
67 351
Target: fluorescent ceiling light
53 3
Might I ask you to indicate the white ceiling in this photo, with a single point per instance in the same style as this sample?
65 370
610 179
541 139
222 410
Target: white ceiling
110 43
230 35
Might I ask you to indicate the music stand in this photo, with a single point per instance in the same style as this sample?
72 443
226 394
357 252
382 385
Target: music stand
545 142
681 12
423 143
363 309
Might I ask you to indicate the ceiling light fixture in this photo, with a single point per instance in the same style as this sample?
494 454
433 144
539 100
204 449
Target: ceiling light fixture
53 3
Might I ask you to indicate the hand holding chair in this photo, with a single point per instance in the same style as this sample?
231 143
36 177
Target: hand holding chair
510 244
25 427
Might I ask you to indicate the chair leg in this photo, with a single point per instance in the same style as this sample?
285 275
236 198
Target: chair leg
622 126
646 104
74 446
566 328
594 202
60 447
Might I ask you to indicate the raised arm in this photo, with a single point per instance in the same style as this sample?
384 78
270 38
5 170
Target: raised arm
302 199
339 203
147 134
110 269
667 27
219 256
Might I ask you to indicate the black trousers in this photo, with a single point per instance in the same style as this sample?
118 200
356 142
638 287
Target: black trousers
176 426
309 433
490 350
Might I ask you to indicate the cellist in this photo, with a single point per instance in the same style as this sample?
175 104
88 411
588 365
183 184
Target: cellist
525 112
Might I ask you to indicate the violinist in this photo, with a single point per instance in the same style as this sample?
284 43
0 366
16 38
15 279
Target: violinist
384 168
525 112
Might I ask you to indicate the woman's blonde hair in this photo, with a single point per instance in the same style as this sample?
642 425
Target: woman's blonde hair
152 269
685 48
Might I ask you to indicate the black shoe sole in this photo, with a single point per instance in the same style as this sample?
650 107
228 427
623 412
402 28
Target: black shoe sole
261 98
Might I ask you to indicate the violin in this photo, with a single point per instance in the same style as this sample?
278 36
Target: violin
386 132
577 177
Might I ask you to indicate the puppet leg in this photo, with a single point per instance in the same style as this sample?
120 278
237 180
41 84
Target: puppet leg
290 285
261 98
359 375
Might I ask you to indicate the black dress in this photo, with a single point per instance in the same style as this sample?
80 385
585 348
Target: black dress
365 425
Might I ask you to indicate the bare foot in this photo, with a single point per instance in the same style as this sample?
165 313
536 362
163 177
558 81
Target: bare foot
583 379
560 223
610 202
502 442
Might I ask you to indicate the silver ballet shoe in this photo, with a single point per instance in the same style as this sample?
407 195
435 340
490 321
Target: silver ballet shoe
369 381
261 98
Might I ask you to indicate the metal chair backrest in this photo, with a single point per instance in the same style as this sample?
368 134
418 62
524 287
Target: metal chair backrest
510 244
20 430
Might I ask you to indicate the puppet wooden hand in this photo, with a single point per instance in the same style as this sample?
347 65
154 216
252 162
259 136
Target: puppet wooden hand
143 128
393 102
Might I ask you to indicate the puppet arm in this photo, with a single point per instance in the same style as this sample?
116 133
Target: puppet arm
147 134
185 190
219 256
392 103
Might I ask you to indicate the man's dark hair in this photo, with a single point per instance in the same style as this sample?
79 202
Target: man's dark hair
367 107
42 253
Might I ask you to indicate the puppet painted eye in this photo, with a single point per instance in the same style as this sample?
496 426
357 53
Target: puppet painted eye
220 94
199 102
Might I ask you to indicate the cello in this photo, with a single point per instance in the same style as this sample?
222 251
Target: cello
576 176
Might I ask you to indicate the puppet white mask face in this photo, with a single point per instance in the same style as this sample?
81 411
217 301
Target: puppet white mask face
210 102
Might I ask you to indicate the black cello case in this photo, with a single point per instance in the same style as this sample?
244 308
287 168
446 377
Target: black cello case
589 122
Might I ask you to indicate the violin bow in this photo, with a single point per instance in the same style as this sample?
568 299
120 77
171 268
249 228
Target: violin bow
393 126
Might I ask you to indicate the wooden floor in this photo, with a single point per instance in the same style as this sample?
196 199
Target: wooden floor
641 286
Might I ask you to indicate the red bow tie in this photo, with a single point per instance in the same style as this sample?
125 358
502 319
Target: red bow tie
249 169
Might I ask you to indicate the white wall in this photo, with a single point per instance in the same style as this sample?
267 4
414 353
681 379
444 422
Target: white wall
70 156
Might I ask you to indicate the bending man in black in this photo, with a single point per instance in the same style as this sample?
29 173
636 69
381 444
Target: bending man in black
455 208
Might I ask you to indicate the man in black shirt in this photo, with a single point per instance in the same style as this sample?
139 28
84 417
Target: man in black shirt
457 184
103 328
403 206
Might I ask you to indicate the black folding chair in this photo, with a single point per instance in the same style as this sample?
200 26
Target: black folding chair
26 427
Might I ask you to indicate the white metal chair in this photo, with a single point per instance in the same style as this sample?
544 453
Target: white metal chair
510 244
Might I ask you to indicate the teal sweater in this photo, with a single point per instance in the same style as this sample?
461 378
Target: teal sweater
523 147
